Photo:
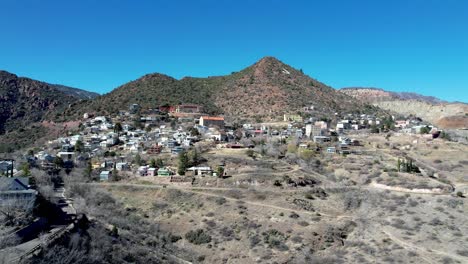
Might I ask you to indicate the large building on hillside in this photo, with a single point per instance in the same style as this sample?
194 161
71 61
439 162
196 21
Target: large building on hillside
188 108
212 121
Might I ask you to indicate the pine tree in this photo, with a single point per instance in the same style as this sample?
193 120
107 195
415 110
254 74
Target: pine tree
183 163
153 163
159 163
88 170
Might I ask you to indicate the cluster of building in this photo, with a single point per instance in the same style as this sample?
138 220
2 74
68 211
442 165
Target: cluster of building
171 130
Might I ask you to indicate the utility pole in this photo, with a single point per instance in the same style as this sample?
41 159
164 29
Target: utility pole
10 171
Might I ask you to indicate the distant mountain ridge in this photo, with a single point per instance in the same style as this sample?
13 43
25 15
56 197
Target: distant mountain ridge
379 94
444 114
25 103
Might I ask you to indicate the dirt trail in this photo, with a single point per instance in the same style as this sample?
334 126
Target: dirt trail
189 189
424 251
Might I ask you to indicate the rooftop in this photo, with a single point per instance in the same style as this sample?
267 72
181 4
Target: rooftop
213 118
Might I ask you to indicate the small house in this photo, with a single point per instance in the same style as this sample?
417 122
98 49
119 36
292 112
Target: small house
105 175
152 172
321 139
200 171
143 170
121 166
177 150
16 188
163 172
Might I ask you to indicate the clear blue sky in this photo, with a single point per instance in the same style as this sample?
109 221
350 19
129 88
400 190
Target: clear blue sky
404 45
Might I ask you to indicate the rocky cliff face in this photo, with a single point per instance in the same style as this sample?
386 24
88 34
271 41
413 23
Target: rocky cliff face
24 101
438 112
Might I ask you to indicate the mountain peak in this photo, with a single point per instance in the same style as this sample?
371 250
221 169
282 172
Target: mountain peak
269 61
5 74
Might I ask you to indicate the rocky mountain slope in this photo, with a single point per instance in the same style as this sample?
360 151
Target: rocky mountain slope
25 103
266 90
75 92
431 109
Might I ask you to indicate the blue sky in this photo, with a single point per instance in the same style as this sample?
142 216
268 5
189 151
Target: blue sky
407 45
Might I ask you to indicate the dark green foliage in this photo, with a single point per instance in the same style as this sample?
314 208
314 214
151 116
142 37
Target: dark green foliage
198 237
425 130
118 127
88 170
153 163
193 131
174 238
220 171
445 135
250 153
183 163
374 129
138 160
79 146
159 163
58 162
407 166
275 239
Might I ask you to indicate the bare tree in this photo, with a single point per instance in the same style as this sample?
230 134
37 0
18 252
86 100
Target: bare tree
43 182
15 210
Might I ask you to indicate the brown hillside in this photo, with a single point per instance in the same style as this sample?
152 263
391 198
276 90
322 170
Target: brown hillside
266 90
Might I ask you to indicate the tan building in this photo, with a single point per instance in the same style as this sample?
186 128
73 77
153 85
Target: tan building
212 121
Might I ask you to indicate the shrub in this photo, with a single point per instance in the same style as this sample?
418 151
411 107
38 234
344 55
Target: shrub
274 238
254 240
220 200
174 238
293 215
198 237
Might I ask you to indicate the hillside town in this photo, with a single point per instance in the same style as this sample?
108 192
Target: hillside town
109 145
182 147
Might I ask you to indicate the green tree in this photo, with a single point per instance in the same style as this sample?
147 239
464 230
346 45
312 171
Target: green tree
118 128
137 160
220 171
88 170
115 175
173 124
193 132
79 146
425 130
159 163
194 158
374 129
25 169
445 136
137 121
183 163
153 163
58 161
